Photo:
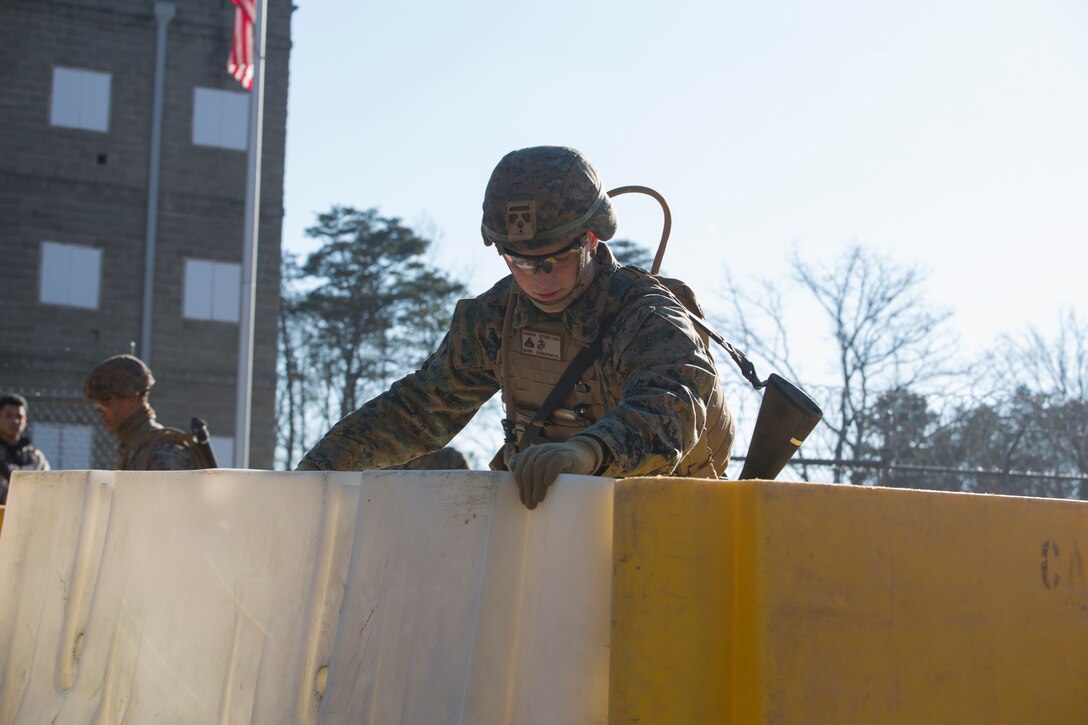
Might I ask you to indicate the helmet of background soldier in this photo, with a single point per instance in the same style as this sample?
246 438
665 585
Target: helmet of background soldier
120 375
542 195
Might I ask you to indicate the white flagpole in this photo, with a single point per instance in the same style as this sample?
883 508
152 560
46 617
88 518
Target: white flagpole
249 247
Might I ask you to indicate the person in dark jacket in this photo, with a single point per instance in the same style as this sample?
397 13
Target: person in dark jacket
18 454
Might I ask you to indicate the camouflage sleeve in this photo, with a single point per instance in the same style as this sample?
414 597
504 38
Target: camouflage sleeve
168 456
425 409
664 377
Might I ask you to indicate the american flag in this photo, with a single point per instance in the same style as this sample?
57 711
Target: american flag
240 64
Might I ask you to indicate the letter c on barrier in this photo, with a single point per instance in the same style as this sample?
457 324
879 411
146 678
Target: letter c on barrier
1048 547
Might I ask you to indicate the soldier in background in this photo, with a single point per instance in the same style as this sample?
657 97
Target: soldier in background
651 402
119 387
18 454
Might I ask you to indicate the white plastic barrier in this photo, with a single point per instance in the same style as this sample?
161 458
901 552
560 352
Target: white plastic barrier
253 597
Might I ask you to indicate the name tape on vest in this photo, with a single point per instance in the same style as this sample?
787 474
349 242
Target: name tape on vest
541 344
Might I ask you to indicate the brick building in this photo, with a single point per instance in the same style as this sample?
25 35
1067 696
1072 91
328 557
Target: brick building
77 178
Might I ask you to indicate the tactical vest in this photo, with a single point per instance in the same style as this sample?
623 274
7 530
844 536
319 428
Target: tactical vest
140 449
536 356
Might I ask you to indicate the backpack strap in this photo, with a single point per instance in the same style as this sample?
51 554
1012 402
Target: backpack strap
747 369
686 297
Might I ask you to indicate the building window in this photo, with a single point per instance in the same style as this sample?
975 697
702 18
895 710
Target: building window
212 290
81 99
220 118
67 446
70 275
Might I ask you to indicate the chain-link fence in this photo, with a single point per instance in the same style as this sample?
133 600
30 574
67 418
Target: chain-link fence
1046 484
65 427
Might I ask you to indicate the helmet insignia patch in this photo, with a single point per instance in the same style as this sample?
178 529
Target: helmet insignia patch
521 220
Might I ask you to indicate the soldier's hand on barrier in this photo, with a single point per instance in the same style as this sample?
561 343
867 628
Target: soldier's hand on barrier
305 465
537 468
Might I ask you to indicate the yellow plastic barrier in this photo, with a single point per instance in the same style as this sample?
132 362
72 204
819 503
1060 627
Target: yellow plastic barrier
756 602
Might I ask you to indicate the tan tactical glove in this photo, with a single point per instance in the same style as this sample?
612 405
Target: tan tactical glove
537 468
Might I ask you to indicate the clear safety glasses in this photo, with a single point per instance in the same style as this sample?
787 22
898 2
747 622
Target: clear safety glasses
531 264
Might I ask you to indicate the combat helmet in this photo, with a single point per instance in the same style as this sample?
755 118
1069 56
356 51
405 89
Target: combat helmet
120 375
540 195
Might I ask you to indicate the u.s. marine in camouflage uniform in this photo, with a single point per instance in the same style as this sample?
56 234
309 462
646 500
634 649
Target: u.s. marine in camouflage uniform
119 387
651 402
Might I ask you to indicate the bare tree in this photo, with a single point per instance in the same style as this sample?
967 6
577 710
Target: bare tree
885 337
1041 384
1057 367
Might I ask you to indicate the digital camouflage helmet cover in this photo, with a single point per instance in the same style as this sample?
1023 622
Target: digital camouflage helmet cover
120 375
541 195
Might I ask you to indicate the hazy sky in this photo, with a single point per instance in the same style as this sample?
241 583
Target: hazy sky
952 135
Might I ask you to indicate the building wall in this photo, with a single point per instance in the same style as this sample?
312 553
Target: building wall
87 187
